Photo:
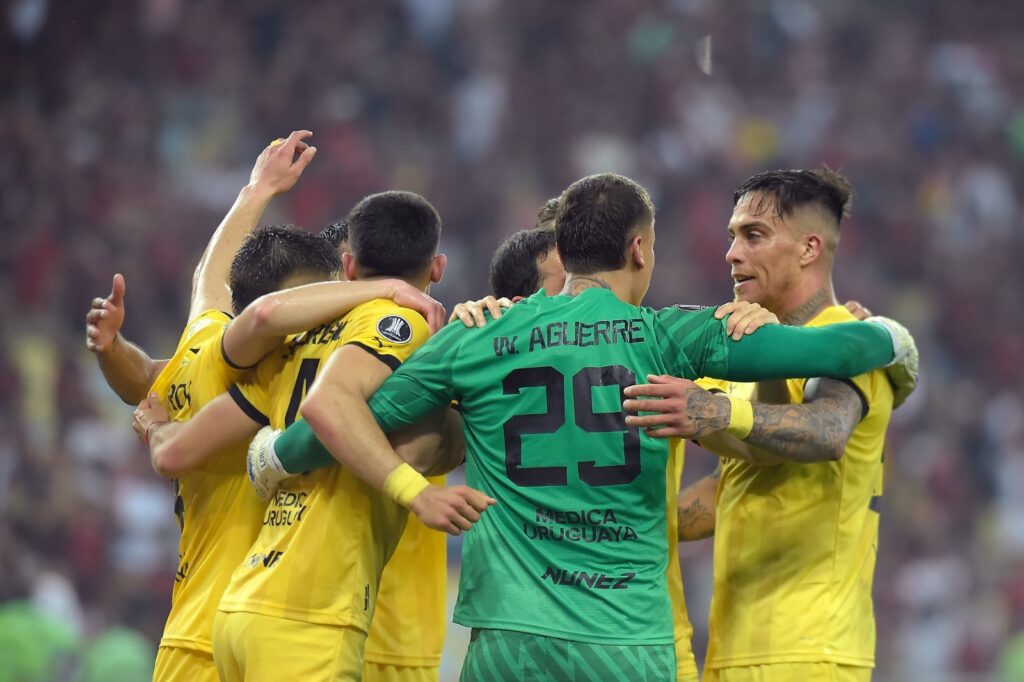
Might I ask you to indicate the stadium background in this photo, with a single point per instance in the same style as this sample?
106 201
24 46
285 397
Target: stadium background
127 129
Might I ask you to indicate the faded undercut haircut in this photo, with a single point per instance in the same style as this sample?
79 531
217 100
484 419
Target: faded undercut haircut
393 234
597 216
273 253
790 189
514 269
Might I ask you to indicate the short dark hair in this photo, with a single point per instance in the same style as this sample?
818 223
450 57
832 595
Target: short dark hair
596 218
273 253
514 265
791 189
393 233
546 214
335 233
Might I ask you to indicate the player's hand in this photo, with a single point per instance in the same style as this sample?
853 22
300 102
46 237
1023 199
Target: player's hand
408 296
858 310
148 415
262 465
471 313
744 318
453 509
105 317
277 168
904 368
681 408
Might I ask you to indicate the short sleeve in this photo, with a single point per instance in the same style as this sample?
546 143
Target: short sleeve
250 394
201 336
691 341
387 331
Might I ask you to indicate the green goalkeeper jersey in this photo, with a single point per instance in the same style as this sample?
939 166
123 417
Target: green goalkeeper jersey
576 547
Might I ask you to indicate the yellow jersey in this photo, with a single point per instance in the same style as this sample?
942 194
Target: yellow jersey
686 666
325 535
795 545
217 511
409 625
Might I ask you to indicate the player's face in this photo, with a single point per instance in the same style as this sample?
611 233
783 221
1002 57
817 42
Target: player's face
765 252
551 273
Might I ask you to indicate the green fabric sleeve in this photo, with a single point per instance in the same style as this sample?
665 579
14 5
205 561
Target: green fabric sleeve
298 449
780 352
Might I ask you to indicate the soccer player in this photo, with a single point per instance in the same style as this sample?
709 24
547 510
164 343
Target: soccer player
793 569
290 596
566 575
185 650
518 271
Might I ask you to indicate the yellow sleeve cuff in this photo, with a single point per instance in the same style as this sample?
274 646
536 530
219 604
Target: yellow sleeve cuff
741 418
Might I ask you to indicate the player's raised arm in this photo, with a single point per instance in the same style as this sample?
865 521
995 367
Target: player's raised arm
276 171
127 368
265 322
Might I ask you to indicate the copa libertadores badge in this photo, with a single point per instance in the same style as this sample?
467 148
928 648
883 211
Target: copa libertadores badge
394 328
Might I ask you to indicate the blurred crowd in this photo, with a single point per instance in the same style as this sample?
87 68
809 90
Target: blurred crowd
128 128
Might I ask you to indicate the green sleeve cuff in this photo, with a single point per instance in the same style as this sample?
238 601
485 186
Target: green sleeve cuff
298 449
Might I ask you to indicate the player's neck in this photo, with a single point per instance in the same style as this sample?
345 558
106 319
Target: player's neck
806 302
619 282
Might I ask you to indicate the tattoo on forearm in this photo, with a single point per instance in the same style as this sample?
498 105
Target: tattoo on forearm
812 432
696 522
808 310
579 283
708 411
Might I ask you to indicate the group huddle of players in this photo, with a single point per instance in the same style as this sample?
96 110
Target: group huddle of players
302 428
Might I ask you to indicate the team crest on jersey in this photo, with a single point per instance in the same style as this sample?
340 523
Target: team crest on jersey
395 329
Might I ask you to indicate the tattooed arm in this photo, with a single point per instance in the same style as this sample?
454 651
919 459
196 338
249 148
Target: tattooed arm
814 431
696 508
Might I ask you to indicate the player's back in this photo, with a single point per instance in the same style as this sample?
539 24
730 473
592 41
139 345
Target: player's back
579 531
326 534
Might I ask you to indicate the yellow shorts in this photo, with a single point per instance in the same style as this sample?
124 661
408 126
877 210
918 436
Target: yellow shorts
380 672
251 647
174 663
790 672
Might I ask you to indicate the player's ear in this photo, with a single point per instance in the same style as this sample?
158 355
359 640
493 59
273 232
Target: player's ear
517 299
811 249
437 267
636 251
348 266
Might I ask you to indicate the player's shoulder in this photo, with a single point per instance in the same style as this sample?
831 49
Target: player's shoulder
206 325
833 314
390 321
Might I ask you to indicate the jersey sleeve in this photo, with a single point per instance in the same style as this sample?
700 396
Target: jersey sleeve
199 343
780 352
420 385
252 394
691 341
386 330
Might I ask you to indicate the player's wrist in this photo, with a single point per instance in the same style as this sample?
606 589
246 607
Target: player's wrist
741 418
404 484
153 428
257 190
